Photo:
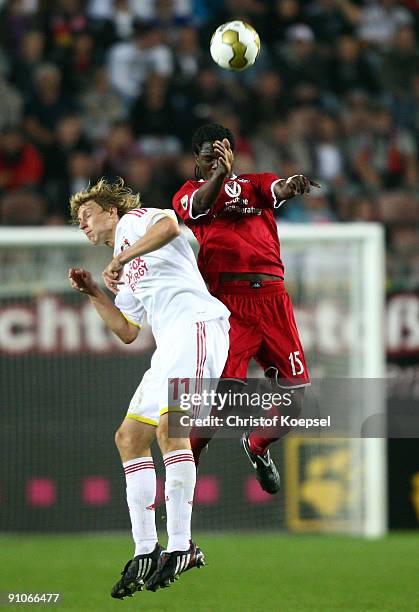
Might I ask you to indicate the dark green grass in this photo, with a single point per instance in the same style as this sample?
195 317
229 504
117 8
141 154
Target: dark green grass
245 573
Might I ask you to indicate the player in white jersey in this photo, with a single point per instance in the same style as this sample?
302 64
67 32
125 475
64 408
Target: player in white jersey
154 273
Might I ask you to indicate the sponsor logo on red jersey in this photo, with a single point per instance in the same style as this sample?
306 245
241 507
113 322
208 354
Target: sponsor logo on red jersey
232 189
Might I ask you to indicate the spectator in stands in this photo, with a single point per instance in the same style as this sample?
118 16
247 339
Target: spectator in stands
402 256
25 63
351 68
298 60
188 57
101 107
329 160
81 169
64 20
282 15
11 103
316 209
79 62
119 147
377 21
170 15
152 113
142 175
387 156
400 62
364 209
269 101
20 163
327 20
178 10
118 20
16 17
130 63
194 103
23 207
233 122
47 106
69 138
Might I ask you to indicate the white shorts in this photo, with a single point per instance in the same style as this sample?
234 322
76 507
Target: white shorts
193 355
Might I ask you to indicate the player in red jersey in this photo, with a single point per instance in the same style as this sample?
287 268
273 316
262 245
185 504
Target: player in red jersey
232 218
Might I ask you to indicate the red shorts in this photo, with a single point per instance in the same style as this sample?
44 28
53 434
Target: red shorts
262 326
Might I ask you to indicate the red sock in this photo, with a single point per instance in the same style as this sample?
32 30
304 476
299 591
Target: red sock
262 437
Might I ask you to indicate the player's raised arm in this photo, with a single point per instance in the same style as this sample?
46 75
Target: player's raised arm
215 162
81 280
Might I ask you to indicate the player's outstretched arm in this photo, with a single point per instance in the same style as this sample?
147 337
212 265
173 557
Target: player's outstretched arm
298 184
81 280
159 234
207 195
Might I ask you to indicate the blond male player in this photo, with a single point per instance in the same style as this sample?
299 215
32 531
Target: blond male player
153 272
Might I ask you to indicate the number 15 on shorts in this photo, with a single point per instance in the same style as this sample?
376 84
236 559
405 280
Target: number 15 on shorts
297 366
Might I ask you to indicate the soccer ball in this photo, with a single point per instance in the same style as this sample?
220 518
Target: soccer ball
235 45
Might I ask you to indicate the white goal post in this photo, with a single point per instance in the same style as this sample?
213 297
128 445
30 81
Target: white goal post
369 239
335 275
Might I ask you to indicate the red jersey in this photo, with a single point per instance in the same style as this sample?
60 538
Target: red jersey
239 232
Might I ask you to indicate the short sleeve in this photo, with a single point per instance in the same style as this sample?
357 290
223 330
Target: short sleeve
156 215
131 308
183 202
266 185
139 220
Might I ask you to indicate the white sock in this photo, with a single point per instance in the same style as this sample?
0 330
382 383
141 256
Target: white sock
141 496
179 490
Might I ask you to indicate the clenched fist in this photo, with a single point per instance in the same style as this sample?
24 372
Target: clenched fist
298 184
81 280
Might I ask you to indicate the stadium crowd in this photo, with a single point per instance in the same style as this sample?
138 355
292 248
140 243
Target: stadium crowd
116 88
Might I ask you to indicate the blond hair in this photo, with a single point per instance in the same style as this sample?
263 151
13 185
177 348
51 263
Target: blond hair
106 195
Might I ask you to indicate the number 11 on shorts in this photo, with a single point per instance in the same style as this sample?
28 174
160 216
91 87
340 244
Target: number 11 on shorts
296 363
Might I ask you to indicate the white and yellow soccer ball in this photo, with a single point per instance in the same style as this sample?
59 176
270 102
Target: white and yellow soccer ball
235 45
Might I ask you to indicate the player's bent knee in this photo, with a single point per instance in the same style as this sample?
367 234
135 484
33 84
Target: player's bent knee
172 444
134 438
124 440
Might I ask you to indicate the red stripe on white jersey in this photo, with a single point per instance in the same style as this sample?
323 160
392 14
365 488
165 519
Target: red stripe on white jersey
138 213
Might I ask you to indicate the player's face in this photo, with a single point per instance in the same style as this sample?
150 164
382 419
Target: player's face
96 223
207 160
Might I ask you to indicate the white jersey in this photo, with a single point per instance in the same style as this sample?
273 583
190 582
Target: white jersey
166 283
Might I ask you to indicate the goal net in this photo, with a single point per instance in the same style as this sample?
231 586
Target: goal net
66 383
